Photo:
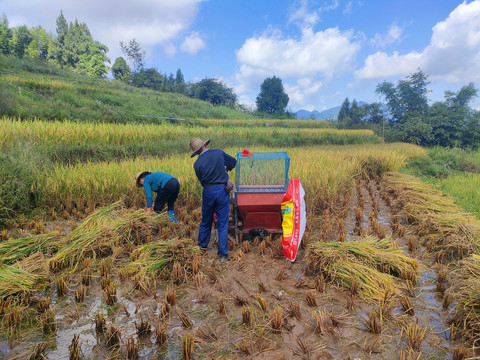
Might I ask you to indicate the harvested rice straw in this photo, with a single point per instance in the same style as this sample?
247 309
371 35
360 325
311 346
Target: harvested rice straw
107 228
26 276
384 255
342 262
466 291
437 216
17 249
157 258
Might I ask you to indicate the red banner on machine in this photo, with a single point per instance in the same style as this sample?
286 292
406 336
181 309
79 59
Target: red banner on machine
294 219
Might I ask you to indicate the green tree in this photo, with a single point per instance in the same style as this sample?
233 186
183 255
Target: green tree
134 53
120 69
20 40
408 97
5 36
452 120
408 108
170 83
344 110
415 130
213 91
40 44
77 40
179 82
373 113
471 133
58 48
355 115
96 67
149 78
272 98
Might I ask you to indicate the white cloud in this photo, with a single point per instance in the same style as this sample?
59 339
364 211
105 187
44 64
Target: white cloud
452 55
308 107
304 12
314 55
348 8
151 23
332 6
325 52
394 34
192 43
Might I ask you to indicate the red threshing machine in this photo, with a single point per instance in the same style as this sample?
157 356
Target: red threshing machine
261 180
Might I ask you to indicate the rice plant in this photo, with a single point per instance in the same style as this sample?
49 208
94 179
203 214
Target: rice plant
185 319
38 351
132 348
49 325
187 346
415 335
277 319
160 333
206 334
222 309
170 295
262 303
407 305
100 323
294 310
43 305
320 321
74 348
144 328
248 316
310 299
113 336
375 322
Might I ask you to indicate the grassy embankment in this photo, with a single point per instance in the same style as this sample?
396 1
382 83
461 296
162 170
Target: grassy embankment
454 171
37 90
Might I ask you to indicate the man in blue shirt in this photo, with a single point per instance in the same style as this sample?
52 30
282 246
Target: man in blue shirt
211 169
165 185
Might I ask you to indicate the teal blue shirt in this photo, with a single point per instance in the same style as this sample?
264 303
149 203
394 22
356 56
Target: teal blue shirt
154 182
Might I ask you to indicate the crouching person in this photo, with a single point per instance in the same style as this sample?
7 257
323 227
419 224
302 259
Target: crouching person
165 185
211 169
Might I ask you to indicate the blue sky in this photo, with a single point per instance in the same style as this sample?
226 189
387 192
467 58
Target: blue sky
323 51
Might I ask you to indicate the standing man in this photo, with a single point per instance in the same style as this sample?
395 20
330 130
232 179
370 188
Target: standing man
165 185
211 168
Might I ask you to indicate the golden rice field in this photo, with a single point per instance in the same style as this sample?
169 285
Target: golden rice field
70 133
268 122
362 287
324 173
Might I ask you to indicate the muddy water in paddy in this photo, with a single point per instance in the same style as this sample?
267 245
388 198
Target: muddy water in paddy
243 280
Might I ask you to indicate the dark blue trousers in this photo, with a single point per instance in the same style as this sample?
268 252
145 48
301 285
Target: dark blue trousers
169 194
215 200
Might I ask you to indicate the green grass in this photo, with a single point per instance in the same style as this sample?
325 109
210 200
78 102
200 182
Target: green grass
455 171
443 162
36 89
465 189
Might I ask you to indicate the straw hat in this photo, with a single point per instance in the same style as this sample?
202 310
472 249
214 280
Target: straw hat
196 144
140 175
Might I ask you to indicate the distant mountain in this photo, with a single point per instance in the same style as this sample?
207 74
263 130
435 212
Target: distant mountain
303 114
329 114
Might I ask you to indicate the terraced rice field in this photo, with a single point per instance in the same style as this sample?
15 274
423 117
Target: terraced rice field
388 269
